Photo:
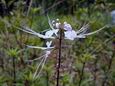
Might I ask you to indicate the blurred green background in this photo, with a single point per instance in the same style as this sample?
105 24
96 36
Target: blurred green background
89 62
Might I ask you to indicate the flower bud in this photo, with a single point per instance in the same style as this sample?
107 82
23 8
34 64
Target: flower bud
57 25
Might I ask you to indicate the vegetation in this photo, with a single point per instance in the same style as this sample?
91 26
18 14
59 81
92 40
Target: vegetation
84 62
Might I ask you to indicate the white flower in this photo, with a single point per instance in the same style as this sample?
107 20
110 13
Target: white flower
47 48
48 44
71 35
50 33
57 25
47 53
43 61
67 26
43 57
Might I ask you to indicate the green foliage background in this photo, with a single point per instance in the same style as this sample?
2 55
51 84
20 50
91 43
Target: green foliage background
89 62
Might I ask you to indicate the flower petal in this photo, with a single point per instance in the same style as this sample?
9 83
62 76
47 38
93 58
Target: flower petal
67 27
49 33
71 35
48 44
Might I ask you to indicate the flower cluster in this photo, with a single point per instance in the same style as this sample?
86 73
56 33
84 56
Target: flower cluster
56 25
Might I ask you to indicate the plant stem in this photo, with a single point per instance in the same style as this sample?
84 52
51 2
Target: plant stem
27 83
108 70
47 78
2 63
81 75
14 72
29 7
95 70
59 58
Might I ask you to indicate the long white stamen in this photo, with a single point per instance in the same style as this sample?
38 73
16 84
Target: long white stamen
80 36
87 34
43 48
84 28
29 32
38 66
28 29
41 67
36 59
35 33
50 23
32 32
45 30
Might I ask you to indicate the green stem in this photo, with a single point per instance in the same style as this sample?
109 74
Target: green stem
14 72
82 73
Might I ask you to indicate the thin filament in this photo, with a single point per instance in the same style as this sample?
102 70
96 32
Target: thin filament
38 66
